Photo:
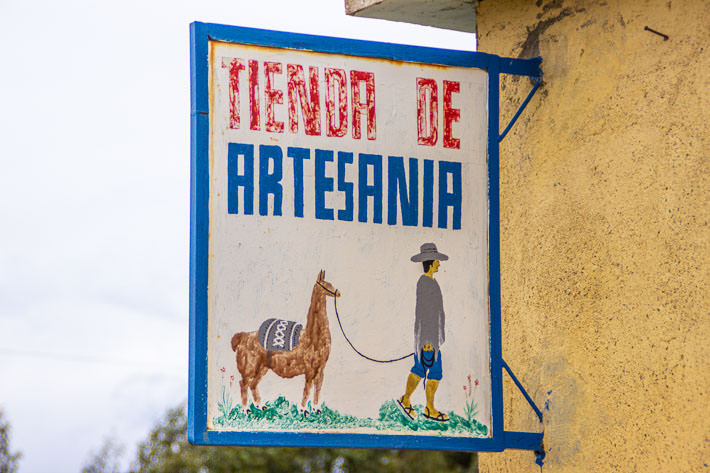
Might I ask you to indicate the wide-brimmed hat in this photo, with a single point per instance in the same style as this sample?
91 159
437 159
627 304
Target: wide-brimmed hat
428 252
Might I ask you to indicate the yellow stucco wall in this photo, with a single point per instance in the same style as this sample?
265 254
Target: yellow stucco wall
605 205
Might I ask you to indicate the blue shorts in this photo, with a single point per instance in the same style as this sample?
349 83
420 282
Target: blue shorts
430 365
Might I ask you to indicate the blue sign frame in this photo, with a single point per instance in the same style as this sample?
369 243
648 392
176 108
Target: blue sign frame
197 432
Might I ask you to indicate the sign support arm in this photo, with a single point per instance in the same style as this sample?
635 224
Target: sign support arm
537 80
522 390
525 440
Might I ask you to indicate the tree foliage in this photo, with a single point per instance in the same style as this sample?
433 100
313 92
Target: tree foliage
166 450
106 460
8 461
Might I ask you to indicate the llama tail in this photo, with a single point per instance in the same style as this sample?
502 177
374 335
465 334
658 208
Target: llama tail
237 339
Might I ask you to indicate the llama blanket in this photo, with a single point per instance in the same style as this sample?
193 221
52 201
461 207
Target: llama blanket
279 335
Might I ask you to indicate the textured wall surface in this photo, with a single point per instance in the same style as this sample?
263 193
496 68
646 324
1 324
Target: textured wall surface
605 204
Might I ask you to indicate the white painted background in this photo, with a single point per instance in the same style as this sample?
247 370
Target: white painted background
262 267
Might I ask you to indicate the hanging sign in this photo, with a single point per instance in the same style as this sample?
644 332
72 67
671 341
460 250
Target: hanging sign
340 265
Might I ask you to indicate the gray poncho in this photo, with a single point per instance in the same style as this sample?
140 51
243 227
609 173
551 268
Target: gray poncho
429 315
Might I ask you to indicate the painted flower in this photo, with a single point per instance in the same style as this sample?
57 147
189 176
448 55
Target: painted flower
222 369
476 382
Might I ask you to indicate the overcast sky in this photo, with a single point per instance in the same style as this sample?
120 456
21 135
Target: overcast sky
94 213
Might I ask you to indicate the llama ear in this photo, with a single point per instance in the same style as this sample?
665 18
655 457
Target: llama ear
320 275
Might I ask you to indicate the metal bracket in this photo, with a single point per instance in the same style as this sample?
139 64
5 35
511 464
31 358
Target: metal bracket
517 440
537 80
526 440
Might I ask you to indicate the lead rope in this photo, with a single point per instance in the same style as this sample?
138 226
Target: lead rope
337 316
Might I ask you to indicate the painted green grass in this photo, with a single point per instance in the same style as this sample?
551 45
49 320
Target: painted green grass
280 414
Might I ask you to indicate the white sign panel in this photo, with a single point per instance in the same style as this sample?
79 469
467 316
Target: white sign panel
347 214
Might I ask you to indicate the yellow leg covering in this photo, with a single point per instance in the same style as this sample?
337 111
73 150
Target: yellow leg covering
405 402
412 383
431 387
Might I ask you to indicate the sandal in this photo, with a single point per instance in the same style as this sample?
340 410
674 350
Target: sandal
440 417
407 410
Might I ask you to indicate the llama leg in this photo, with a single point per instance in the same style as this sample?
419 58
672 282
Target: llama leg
306 390
255 383
316 393
243 387
247 373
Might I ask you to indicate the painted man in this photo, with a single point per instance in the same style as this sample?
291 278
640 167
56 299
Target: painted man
428 335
